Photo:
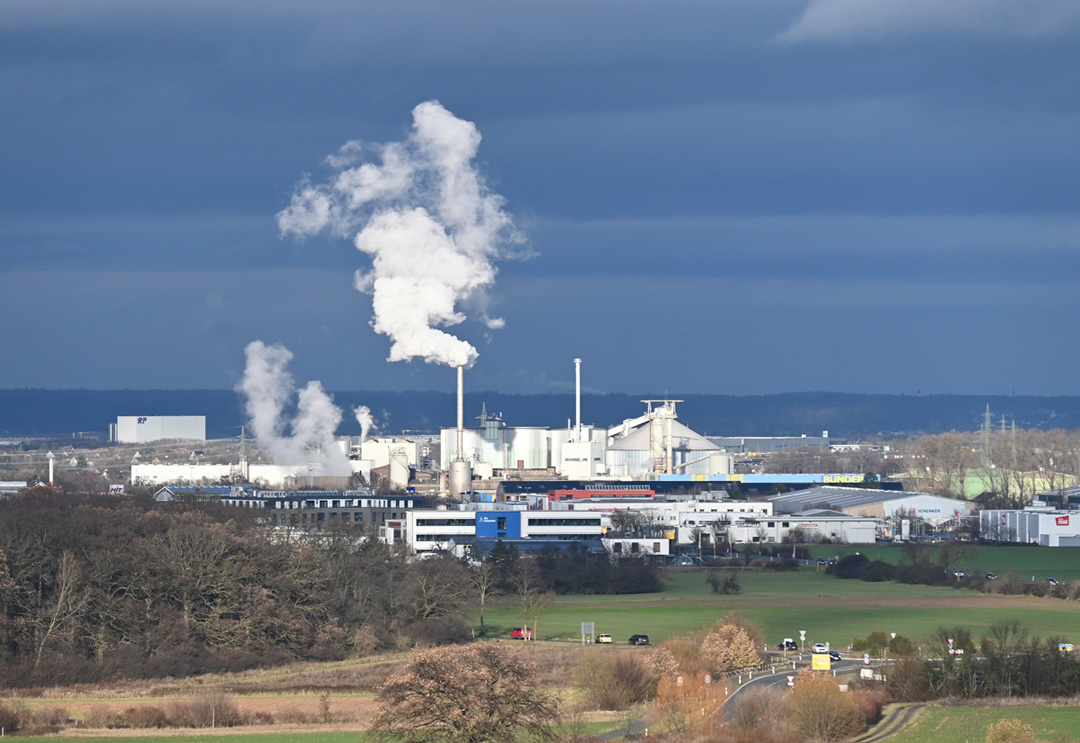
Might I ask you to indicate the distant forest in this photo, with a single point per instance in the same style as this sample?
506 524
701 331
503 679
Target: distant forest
88 413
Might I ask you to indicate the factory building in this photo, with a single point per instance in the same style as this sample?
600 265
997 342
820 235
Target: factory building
145 429
655 442
882 504
813 526
1036 524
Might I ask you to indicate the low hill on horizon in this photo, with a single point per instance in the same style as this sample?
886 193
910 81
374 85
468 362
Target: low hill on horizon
88 413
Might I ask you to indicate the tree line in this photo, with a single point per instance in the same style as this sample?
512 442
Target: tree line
95 587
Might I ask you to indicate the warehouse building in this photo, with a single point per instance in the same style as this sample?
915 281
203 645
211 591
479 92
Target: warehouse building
1033 525
144 429
882 504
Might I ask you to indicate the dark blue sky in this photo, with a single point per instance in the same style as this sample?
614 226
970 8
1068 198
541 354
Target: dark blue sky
735 196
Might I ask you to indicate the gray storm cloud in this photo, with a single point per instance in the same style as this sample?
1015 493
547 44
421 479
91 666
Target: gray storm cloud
432 227
305 438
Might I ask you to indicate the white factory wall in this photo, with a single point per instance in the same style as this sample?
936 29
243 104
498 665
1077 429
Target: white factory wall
378 450
848 530
268 475
143 429
931 508
182 474
511 448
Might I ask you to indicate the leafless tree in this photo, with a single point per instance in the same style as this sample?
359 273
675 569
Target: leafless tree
480 693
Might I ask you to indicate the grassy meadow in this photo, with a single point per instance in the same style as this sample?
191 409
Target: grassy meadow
1039 563
969 724
829 609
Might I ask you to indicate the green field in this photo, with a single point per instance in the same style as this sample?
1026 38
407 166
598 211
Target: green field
1062 563
829 609
969 724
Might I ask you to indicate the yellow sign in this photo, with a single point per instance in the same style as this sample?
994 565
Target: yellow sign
820 662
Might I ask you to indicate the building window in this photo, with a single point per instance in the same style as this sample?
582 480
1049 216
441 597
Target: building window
501 523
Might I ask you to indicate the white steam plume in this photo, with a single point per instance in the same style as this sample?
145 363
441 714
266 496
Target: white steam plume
366 421
430 224
309 437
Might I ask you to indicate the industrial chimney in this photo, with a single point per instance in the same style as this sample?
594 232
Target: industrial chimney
460 479
577 400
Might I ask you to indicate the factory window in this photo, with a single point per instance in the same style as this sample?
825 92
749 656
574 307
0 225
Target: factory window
501 525
617 549
634 548
394 514
786 524
656 547
358 516
319 516
323 504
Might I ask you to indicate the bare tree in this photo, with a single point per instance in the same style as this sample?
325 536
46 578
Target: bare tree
819 711
480 693
532 591
70 599
485 580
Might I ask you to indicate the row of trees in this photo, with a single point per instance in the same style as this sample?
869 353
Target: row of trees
95 586
1007 661
1015 464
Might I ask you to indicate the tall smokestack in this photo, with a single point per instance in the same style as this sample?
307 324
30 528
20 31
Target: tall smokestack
460 413
459 481
577 400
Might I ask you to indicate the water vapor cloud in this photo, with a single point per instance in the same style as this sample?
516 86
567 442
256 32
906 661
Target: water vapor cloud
423 212
304 436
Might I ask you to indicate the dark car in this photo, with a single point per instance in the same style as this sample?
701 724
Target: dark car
1052 581
788 645
991 576
821 561
834 655
639 639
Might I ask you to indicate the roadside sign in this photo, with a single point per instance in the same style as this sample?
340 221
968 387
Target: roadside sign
866 658
790 680
820 662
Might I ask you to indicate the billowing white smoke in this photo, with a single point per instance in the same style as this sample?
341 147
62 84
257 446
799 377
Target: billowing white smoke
306 439
366 421
430 224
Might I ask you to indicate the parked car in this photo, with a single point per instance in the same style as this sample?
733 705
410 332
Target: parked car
958 573
1052 581
820 647
684 560
821 561
991 576
788 644
603 639
520 633
639 639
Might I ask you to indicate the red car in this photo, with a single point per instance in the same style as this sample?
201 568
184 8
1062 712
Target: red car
520 633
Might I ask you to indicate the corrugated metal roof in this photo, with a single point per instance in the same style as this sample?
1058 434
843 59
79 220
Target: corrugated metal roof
839 498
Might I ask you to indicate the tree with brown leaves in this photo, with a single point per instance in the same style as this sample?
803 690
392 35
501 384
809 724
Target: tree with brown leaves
479 693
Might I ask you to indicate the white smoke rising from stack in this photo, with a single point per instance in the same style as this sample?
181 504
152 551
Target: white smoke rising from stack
430 224
308 438
366 421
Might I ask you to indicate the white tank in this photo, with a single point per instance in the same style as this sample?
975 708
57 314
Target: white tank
460 481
